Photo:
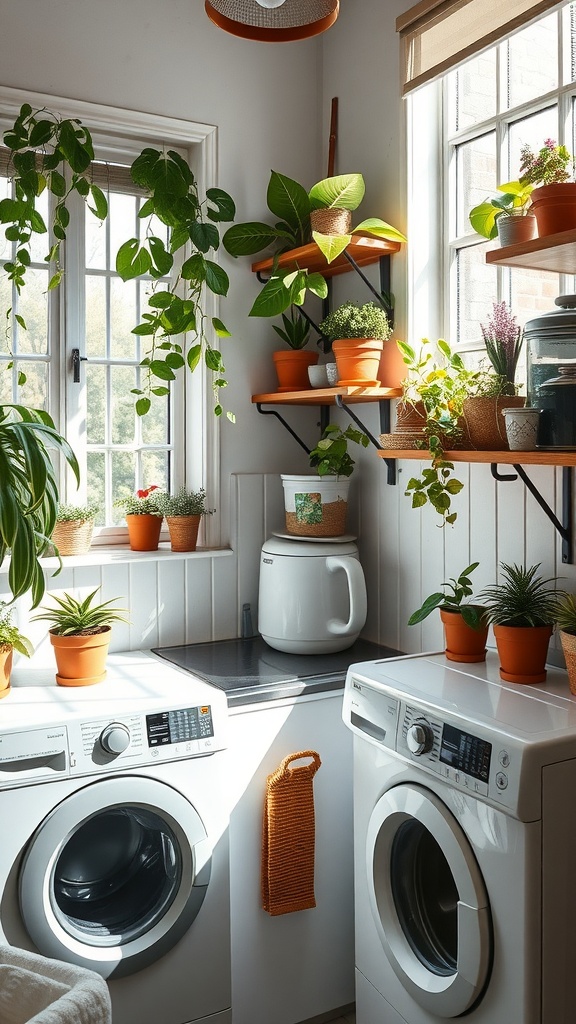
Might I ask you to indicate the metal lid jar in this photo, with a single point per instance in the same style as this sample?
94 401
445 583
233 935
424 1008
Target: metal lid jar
557 401
550 342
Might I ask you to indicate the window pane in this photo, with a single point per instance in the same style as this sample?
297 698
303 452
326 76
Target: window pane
155 469
532 131
123 480
570 28
33 306
96 409
476 289
533 61
96 235
473 91
476 176
123 319
35 391
96 317
123 379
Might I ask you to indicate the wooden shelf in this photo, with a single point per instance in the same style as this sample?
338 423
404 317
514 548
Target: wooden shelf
556 253
508 458
326 396
363 249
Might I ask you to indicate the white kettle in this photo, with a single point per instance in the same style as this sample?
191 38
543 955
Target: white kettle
312 595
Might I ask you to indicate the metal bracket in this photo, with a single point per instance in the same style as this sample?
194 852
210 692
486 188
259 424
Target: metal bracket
272 412
384 429
564 528
383 296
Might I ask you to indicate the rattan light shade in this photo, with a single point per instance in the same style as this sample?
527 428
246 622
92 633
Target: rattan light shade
293 19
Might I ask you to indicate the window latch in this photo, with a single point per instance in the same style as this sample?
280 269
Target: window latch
76 360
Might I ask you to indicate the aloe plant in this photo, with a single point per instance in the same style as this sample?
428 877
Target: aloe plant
71 616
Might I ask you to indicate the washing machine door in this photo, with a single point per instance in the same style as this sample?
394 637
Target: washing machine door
115 875
428 900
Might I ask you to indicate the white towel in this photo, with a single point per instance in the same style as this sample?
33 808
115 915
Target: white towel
36 990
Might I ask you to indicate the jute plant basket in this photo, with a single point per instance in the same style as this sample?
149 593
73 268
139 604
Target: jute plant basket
568 641
331 222
73 538
183 532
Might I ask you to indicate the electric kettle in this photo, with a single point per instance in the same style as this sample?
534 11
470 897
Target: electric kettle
312 595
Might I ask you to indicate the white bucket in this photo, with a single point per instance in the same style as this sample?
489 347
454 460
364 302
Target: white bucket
316 506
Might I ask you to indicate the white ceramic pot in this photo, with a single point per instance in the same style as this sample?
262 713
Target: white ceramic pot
317 375
521 428
312 596
316 506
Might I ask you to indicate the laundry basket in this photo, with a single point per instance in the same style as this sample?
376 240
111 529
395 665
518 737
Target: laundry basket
37 990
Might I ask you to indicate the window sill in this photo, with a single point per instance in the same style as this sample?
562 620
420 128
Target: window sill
118 554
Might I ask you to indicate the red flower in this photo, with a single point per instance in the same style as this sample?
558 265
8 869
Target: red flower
147 491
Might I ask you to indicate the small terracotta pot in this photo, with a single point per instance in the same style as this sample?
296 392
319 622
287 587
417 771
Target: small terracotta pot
81 660
358 361
513 229
292 368
522 651
463 643
183 532
6 655
554 207
392 366
568 641
144 532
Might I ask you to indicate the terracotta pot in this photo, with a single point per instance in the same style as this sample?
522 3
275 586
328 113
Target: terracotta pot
485 424
568 641
522 651
554 207
144 532
358 361
463 643
392 366
81 660
292 368
513 229
183 532
6 654
73 538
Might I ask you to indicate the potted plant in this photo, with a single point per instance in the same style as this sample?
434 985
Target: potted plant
72 534
482 410
80 635
143 518
522 609
357 335
549 171
291 206
507 215
28 493
183 512
465 625
566 623
316 506
292 363
11 639
54 154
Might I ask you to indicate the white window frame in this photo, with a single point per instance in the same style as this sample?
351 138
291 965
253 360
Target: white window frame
195 423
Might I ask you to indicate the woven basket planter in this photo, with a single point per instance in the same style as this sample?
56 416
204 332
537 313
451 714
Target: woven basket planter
568 641
73 538
6 654
183 532
484 423
331 222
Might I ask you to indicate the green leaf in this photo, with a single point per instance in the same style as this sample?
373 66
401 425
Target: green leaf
288 200
194 268
163 261
381 229
100 208
57 184
174 360
55 280
160 300
331 246
225 208
142 406
248 239
483 220
161 369
77 153
41 133
193 357
317 284
204 236
220 329
132 260
213 359
272 300
344 191
217 279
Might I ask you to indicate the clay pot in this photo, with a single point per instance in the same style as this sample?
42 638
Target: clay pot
358 361
183 532
522 651
568 641
81 660
485 424
292 368
463 643
144 532
554 207
6 654
513 229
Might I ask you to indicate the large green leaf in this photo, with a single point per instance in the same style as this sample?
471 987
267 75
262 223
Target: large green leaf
132 260
344 191
483 219
245 239
379 228
331 245
287 199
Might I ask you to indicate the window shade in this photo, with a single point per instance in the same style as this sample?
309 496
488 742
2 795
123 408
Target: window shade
436 35
110 177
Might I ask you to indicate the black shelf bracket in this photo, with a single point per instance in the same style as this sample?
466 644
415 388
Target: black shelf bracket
272 412
564 528
384 429
383 296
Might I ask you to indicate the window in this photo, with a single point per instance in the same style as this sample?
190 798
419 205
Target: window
78 353
522 90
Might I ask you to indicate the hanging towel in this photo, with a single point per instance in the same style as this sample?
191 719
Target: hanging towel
36 990
287 876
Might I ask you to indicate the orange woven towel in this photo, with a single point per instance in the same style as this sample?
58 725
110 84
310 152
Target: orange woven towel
288 836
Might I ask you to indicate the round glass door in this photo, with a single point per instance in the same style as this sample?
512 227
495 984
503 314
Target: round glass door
115 875
428 900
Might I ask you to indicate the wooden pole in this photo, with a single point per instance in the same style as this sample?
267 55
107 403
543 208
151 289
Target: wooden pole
333 136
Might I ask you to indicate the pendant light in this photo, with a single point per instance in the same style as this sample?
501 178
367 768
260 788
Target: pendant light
273 21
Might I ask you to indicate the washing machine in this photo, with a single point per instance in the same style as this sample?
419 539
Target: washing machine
114 852
464 845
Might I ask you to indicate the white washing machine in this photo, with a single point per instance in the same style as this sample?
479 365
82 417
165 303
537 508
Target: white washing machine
114 852
465 843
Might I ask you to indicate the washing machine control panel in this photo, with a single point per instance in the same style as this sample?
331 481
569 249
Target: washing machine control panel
453 753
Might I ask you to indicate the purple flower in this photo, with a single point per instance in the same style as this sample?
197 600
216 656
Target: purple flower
503 340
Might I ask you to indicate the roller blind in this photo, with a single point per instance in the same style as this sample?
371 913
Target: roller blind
112 177
436 35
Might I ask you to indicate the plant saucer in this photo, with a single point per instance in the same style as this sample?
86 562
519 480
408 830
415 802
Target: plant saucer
358 383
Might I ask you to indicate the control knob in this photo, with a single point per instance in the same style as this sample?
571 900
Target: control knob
115 738
420 738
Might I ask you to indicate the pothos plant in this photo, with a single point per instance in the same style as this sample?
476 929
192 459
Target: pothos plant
50 152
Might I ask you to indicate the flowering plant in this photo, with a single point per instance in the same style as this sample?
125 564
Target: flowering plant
144 502
546 167
503 339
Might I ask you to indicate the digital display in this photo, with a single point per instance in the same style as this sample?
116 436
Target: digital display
179 726
465 753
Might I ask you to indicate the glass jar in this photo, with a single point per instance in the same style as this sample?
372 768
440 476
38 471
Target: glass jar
550 343
557 403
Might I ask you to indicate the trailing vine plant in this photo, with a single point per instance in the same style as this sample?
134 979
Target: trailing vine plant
49 152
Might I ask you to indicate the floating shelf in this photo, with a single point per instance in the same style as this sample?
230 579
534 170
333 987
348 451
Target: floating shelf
556 253
363 249
508 458
326 396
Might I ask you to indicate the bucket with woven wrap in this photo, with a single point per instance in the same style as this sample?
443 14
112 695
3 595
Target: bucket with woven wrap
316 506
